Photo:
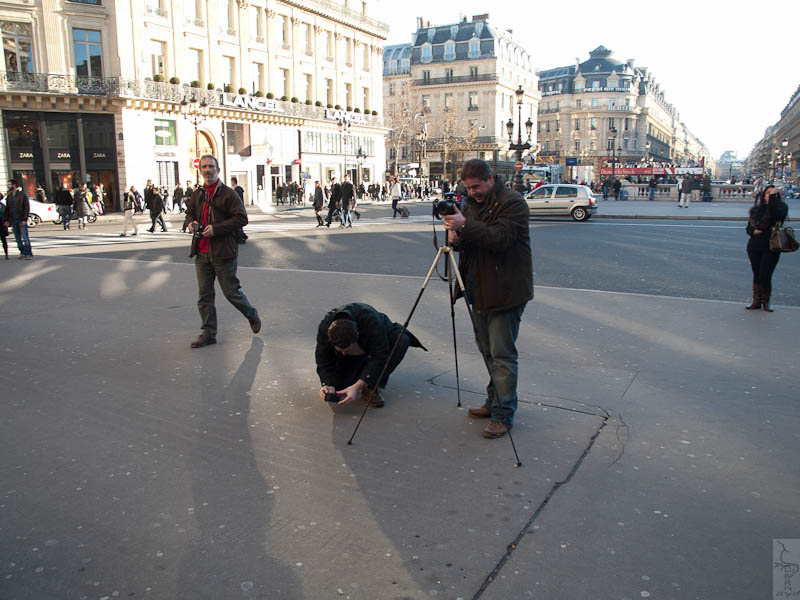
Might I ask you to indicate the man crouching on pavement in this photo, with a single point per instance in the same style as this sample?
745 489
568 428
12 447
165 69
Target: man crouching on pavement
493 239
353 343
213 214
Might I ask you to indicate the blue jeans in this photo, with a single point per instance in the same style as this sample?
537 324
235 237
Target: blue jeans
21 235
652 193
347 217
65 211
496 335
224 270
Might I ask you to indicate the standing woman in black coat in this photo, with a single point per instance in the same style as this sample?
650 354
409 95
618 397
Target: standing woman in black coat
767 210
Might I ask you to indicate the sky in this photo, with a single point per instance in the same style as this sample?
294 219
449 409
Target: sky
729 68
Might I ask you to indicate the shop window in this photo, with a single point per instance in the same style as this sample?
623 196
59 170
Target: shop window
17 47
88 53
165 133
237 139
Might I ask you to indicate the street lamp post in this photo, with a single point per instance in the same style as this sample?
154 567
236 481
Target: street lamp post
519 147
360 157
422 140
784 144
195 112
612 138
344 129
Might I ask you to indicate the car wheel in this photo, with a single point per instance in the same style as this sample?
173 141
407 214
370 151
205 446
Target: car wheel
579 213
92 218
34 221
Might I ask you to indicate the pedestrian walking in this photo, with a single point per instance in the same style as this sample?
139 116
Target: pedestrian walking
239 234
318 202
617 186
63 201
651 185
177 198
767 210
18 209
706 185
214 212
128 207
156 208
333 203
3 227
348 196
686 191
395 193
81 206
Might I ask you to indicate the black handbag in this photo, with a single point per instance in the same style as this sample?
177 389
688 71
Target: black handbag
781 238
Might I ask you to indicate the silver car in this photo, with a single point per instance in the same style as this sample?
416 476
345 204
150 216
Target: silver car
562 200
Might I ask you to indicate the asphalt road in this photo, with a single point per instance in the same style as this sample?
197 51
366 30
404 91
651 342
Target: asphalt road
692 259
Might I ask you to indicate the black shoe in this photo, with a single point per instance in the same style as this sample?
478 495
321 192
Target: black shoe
151 230
123 235
134 233
255 323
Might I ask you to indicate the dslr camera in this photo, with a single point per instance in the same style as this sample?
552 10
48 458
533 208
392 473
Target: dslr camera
197 230
446 206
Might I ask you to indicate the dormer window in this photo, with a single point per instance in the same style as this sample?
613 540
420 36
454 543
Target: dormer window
478 27
427 55
474 48
450 50
431 34
453 31
392 67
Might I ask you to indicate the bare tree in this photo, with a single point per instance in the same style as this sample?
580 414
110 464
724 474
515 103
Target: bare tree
451 134
400 112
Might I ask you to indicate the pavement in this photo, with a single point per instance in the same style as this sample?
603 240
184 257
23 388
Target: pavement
658 438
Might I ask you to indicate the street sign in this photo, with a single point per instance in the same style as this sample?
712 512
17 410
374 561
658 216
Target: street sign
196 163
518 165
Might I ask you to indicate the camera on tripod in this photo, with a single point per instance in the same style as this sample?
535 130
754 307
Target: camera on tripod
446 206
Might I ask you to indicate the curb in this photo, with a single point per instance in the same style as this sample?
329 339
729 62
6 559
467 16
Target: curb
669 218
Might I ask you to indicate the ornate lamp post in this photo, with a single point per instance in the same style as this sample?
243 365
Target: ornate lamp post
519 147
195 112
344 129
360 157
612 139
784 143
422 139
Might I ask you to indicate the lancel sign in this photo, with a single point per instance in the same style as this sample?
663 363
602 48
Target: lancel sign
251 103
346 115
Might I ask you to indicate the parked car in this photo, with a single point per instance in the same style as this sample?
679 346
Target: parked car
41 212
562 200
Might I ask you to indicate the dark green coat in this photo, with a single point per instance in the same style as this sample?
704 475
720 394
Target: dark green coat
495 250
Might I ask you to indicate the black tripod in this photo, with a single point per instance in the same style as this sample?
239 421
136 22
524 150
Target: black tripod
451 268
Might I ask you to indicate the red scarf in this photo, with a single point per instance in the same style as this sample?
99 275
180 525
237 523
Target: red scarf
204 243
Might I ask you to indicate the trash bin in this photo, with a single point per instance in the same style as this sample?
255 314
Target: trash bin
623 194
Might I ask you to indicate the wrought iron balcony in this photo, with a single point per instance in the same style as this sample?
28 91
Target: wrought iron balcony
545 111
456 79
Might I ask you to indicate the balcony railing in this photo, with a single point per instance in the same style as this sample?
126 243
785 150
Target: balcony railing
456 79
348 13
71 85
545 111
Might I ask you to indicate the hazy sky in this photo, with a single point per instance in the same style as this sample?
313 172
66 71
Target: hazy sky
728 67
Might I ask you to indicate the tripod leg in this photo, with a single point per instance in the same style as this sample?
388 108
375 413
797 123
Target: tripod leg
450 286
486 362
397 341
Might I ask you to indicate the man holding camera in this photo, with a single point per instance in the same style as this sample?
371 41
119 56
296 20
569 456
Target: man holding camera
353 344
493 239
214 212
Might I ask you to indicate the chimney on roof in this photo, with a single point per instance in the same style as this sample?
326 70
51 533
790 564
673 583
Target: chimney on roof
483 17
630 62
419 22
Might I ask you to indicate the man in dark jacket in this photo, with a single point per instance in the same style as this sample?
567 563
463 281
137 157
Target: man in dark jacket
156 206
63 200
213 213
353 344
18 209
336 195
493 240
348 197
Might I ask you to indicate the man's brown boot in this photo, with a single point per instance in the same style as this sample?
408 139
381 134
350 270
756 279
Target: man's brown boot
204 340
495 430
479 413
373 397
